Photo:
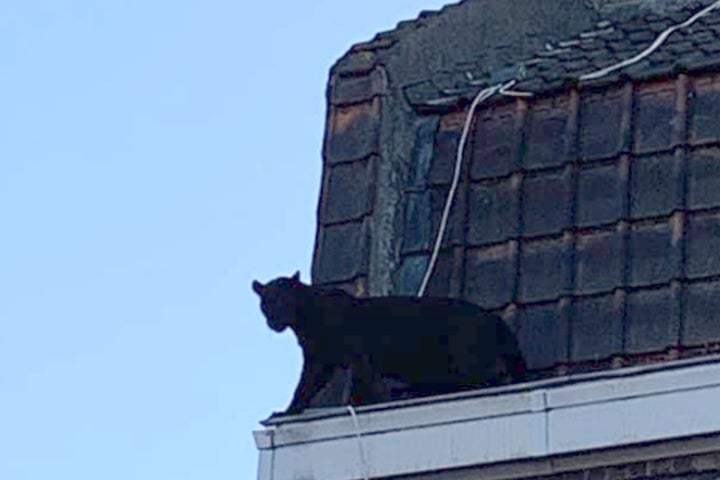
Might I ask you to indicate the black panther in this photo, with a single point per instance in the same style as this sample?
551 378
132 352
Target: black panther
432 345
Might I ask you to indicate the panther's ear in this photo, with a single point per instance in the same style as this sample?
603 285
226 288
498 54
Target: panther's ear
258 287
296 276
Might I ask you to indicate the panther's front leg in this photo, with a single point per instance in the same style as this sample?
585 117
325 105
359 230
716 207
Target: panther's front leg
315 375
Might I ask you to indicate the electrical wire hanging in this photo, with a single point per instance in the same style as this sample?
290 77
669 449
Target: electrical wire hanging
479 98
358 436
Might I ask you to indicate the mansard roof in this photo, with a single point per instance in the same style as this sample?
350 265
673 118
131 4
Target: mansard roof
582 209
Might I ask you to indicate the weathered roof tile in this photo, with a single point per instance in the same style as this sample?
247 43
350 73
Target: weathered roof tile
597 328
653 321
702 301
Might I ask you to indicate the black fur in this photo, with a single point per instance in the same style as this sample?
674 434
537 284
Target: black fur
433 345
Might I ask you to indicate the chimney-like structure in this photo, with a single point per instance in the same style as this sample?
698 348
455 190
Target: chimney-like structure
587 215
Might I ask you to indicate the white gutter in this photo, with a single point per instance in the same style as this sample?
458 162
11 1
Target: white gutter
520 422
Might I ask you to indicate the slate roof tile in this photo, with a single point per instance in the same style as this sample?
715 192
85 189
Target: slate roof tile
704 36
703 249
490 275
355 64
702 301
543 334
653 320
597 327
703 179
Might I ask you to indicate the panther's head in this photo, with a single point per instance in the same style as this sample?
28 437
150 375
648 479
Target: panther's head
279 300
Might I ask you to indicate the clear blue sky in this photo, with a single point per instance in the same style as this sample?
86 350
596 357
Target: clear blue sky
155 157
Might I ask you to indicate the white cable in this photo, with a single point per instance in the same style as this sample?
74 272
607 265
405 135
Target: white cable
361 451
481 96
513 93
653 46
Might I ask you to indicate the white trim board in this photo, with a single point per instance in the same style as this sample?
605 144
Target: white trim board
516 423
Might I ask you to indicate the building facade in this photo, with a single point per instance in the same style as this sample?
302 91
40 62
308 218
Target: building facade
586 213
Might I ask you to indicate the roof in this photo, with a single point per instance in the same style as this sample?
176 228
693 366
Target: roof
614 188
472 35
562 63
587 216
